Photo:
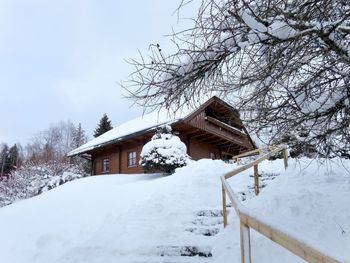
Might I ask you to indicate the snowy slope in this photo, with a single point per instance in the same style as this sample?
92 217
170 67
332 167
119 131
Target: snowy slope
104 218
311 198
138 218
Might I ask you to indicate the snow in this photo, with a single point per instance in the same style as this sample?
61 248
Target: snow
309 200
143 123
132 218
104 218
277 28
250 21
281 30
165 146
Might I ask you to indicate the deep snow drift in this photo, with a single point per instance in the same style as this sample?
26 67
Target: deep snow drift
131 218
311 198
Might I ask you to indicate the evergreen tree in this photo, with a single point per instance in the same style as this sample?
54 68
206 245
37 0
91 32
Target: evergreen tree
4 160
104 126
13 157
297 142
164 153
78 137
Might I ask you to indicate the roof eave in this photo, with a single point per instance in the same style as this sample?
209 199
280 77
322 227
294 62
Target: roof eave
123 138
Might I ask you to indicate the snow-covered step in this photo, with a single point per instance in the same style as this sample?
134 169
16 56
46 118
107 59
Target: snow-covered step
174 259
204 231
208 221
175 254
264 179
184 251
210 213
268 176
263 176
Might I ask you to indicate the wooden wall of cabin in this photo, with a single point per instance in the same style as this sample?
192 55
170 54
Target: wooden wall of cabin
118 156
113 157
118 160
199 150
125 150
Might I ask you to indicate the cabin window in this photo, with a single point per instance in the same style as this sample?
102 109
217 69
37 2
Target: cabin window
131 159
105 165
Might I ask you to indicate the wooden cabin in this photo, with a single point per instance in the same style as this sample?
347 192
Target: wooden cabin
214 130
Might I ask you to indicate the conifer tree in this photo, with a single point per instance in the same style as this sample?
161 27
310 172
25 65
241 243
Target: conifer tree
164 153
4 160
13 157
104 126
78 137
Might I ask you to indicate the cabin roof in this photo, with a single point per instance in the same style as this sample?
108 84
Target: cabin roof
144 124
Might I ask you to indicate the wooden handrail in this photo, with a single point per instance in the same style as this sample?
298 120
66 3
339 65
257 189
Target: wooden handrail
248 219
255 152
259 151
255 162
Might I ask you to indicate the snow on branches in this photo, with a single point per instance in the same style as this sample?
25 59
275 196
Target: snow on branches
164 153
33 179
284 63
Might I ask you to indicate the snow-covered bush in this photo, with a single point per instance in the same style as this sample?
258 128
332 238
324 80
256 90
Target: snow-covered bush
164 153
298 144
31 180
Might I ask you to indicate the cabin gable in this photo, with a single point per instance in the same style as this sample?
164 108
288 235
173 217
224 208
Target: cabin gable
220 124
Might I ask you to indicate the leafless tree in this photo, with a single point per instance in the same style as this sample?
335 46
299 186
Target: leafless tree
284 63
52 144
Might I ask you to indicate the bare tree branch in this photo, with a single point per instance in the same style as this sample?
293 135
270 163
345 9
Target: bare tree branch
285 64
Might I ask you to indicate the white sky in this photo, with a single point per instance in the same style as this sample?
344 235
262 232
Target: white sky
63 59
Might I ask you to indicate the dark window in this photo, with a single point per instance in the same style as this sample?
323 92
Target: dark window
132 159
105 165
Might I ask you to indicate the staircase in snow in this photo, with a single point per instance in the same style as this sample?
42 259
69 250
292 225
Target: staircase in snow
205 225
264 179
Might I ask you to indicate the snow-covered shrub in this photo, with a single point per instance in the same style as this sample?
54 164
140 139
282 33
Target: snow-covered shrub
297 143
164 153
31 180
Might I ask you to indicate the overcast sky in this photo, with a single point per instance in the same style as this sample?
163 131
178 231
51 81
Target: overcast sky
63 59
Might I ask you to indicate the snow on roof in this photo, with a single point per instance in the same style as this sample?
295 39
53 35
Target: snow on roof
143 123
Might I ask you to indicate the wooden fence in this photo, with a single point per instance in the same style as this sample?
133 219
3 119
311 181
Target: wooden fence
248 219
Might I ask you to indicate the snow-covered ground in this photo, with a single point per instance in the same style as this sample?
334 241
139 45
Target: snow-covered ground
311 198
139 218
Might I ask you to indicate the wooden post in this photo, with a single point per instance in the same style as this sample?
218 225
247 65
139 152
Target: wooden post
224 209
256 179
246 255
285 158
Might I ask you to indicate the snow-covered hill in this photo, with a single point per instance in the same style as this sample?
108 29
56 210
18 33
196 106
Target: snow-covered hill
152 218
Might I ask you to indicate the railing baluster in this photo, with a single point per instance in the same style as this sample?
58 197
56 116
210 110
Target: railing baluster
246 256
256 179
224 209
285 158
